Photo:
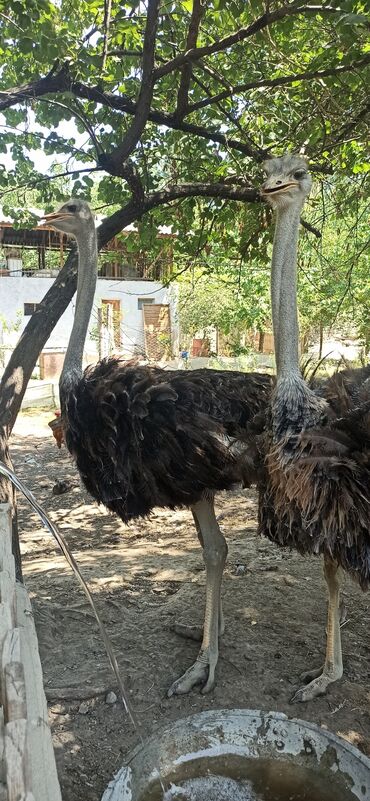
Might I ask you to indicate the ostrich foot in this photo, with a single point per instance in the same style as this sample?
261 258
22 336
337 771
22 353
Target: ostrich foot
318 685
201 672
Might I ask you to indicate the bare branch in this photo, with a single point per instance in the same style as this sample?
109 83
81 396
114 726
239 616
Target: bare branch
281 81
186 70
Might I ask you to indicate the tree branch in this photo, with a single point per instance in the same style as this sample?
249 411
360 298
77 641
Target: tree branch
128 106
123 103
239 36
107 15
55 81
187 69
281 81
62 81
114 160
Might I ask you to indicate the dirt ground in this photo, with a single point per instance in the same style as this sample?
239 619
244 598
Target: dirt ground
148 575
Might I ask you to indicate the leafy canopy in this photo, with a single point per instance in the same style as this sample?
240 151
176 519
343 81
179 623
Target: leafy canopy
144 105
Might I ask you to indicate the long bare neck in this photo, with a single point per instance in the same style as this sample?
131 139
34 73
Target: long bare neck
284 291
86 283
294 405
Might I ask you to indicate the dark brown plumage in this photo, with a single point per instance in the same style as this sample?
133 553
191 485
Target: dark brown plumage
144 437
315 488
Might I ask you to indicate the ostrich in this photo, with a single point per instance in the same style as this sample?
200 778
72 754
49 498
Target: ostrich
314 494
144 437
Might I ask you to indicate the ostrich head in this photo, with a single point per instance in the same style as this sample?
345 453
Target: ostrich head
73 218
287 181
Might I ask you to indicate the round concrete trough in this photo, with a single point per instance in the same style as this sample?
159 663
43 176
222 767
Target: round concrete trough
211 743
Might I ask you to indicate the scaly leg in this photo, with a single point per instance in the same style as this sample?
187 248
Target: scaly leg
214 554
333 666
196 632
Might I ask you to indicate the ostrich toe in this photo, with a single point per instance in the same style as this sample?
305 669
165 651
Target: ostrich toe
318 686
202 672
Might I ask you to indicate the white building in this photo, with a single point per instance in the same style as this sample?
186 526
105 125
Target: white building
131 315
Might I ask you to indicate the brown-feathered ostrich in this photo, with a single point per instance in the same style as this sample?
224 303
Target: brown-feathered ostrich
145 437
315 494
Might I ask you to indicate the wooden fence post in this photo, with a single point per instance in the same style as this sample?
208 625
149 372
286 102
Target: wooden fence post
27 762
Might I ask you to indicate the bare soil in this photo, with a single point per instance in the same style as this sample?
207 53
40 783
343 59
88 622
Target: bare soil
145 577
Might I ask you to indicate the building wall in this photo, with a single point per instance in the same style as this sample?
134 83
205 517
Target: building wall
16 291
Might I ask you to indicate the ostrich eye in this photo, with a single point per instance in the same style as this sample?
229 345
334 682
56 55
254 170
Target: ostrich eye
72 208
299 174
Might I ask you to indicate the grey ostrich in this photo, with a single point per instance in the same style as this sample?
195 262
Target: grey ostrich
144 437
315 492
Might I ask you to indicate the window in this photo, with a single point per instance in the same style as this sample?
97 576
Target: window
30 308
142 301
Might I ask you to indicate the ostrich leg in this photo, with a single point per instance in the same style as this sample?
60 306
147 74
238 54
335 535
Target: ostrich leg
320 679
214 554
196 632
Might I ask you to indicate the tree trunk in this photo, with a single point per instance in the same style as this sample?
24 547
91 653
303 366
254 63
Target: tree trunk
261 341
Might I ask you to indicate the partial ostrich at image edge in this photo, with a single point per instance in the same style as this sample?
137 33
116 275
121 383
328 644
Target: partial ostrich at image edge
314 481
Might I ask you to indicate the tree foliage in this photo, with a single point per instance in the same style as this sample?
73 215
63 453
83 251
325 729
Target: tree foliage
163 112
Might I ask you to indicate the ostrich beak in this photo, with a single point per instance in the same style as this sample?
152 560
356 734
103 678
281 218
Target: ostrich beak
55 216
274 186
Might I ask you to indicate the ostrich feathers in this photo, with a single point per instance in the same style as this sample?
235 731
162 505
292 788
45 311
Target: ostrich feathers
314 484
144 437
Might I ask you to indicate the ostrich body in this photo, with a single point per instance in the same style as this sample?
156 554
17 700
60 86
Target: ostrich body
314 495
144 437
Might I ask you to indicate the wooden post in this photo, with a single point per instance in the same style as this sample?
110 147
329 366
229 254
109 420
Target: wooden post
27 762
100 332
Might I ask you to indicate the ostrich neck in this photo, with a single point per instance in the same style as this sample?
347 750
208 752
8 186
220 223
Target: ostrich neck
86 283
284 291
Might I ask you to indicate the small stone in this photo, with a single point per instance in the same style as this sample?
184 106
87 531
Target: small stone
84 708
240 570
110 697
289 580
